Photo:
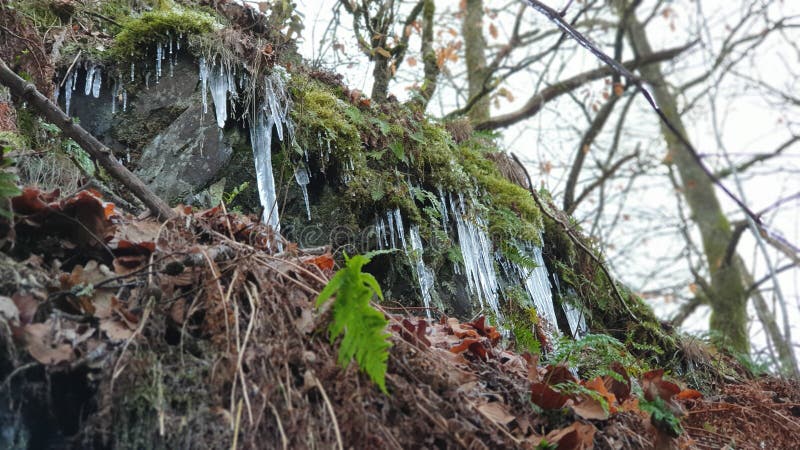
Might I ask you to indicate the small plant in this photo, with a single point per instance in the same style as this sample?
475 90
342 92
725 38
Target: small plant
364 327
8 181
229 197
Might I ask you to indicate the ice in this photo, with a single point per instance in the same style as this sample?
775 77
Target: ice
380 233
301 176
124 100
68 88
170 42
476 250
575 317
261 140
87 88
96 84
159 57
443 209
424 273
398 222
133 71
218 83
204 83
114 92
536 282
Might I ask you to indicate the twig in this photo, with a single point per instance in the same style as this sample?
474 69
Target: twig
330 410
284 440
69 69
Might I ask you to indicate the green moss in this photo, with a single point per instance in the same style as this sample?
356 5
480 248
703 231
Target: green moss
139 33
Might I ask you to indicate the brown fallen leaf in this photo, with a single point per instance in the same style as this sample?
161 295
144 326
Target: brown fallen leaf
590 408
497 413
546 397
116 331
577 436
40 345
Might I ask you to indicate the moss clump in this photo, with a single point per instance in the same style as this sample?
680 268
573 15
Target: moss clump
140 32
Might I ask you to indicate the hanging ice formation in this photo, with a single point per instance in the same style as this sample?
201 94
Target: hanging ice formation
575 317
220 83
273 112
88 88
301 176
204 83
536 282
68 93
423 272
476 249
159 57
388 232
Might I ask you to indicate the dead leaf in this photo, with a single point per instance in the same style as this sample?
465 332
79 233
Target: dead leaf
577 436
497 413
689 394
654 386
590 408
9 310
546 397
116 331
40 345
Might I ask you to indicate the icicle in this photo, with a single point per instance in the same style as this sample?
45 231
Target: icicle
261 140
476 249
301 176
424 273
398 222
114 91
133 71
390 220
218 84
75 80
204 83
443 209
170 42
124 100
87 88
56 95
178 42
68 88
159 55
96 84
147 80
172 68
380 233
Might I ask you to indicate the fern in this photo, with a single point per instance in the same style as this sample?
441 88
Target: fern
364 327
8 179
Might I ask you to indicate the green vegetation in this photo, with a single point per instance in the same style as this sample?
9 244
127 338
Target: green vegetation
138 33
8 179
364 328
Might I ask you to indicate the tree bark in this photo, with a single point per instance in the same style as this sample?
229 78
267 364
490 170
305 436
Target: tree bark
99 152
475 56
728 296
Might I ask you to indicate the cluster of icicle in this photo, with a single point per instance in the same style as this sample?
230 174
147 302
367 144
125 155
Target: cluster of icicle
391 231
272 111
478 261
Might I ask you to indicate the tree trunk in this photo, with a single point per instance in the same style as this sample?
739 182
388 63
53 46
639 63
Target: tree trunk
728 297
475 56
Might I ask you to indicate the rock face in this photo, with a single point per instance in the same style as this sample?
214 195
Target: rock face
174 146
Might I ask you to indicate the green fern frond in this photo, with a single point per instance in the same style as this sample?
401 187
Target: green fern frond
364 328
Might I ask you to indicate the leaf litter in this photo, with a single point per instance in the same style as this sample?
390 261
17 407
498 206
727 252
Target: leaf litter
189 333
